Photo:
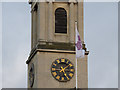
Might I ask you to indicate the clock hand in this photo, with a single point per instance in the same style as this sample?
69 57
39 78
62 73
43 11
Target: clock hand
66 70
66 67
58 69
64 73
63 68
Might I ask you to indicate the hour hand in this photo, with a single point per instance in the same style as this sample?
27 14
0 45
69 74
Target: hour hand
63 68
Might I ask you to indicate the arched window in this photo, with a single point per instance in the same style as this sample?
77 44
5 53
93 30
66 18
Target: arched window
60 21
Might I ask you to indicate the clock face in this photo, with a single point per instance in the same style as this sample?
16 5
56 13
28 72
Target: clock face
62 69
31 75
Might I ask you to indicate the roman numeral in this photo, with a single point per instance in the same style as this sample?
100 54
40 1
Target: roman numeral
70 74
53 69
58 61
58 77
62 60
54 64
71 70
54 73
70 65
62 78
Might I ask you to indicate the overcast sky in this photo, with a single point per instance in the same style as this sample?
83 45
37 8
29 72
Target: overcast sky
0 45
101 38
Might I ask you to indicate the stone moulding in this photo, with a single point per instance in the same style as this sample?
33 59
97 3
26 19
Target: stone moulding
47 50
54 47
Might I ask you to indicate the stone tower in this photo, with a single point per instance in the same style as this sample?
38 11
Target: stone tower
51 63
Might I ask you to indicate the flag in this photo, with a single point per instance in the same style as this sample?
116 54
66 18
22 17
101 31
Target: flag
78 45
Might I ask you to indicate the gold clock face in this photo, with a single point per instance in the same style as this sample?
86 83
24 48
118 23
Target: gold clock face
62 69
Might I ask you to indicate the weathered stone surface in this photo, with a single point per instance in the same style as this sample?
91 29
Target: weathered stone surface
43 77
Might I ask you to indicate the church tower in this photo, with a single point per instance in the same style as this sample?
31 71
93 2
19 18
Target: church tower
51 63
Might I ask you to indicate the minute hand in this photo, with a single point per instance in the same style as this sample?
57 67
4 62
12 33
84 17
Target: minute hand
65 73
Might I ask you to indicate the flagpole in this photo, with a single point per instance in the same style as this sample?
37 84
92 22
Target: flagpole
76 73
76 57
79 51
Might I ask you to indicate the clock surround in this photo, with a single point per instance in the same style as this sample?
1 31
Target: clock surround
62 70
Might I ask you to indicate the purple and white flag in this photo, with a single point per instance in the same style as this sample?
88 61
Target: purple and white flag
79 51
